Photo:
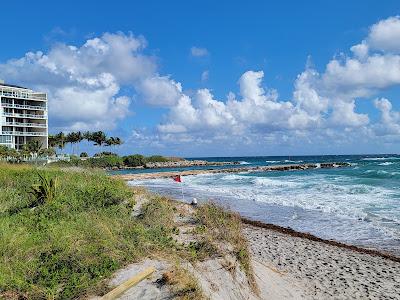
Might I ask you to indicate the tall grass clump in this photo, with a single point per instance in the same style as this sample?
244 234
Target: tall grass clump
63 232
221 225
44 191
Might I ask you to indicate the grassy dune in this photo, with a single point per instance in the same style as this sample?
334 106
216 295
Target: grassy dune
63 233
64 247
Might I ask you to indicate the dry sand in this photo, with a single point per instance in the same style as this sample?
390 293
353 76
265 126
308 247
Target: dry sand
321 271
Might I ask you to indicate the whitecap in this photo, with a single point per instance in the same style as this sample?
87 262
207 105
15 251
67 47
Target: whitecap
388 163
381 158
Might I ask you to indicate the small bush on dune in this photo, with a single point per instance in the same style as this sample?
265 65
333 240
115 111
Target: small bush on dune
182 283
220 224
44 191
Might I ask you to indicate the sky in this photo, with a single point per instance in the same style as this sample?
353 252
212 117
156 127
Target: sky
208 78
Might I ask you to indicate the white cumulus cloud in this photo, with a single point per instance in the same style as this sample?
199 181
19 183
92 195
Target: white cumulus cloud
385 35
83 83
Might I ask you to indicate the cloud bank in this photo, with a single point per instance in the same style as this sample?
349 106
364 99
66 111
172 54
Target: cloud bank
92 86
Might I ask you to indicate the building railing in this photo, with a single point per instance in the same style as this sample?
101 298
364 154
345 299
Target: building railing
26 133
25 124
22 94
30 116
20 106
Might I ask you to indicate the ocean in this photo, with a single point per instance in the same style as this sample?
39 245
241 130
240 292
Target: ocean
358 205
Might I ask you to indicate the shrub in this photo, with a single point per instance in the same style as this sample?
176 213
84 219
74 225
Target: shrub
109 161
136 160
44 191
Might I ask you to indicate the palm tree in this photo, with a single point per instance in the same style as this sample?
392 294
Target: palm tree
13 154
110 141
74 138
113 141
47 152
69 140
60 137
4 152
87 135
99 138
52 140
25 152
78 139
34 147
118 141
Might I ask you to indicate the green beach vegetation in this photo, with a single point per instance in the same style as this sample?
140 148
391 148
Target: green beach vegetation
109 160
34 151
30 151
64 232
61 232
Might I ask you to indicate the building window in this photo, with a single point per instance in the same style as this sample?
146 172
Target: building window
5 139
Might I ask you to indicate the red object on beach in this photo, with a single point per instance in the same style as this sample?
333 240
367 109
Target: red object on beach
177 178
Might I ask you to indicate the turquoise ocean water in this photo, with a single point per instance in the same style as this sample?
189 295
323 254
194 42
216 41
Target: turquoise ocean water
358 205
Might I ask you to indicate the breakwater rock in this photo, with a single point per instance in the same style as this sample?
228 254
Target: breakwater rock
141 176
187 163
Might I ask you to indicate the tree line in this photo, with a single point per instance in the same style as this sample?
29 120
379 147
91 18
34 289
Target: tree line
33 149
99 139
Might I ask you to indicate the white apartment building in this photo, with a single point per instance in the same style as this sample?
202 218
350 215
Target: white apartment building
23 116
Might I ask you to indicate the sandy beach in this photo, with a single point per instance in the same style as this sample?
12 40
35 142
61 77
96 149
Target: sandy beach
286 265
316 270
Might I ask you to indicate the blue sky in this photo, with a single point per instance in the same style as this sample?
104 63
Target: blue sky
186 48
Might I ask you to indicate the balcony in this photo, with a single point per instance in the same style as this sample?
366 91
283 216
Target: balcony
22 94
28 116
27 133
19 124
20 106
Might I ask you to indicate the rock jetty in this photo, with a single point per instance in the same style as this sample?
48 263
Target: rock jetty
188 163
141 176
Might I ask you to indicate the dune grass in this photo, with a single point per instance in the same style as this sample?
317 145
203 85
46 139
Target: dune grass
219 225
63 233
64 247
183 285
